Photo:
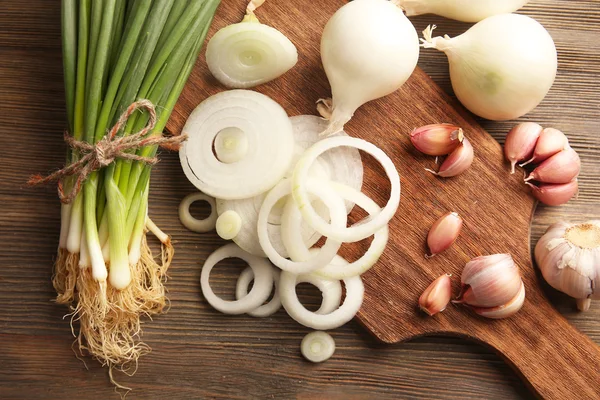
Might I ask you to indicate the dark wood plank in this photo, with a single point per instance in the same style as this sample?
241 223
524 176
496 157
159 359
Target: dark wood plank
198 353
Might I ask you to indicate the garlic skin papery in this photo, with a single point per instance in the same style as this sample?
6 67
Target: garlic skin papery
569 257
437 295
492 286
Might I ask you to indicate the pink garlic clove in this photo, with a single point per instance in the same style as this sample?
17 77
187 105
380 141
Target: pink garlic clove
437 295
437 139
550 142
457 162
560 168
489 281
554 194
505 310
520 142
443 233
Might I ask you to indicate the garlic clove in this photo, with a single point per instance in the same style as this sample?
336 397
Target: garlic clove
520 142
554 194
489 281
437 139
584 304
443 233
505 310
550 142
457 162
559 168
437 295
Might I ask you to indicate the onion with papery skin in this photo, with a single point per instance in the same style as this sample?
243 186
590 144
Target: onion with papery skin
463 10
502 67
369 49
270 144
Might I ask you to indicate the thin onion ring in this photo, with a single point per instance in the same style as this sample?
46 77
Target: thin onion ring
197 225
362 229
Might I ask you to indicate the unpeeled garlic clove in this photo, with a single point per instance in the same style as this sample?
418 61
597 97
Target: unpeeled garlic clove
559 168
489 281
443 233
505 310
554 194
437 139
520 142
457 162
550 142
437 295
584 304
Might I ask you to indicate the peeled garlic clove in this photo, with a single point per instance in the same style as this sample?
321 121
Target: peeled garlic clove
560 168
437 139
520 142
489 281
437 295
457 162
443 233
550 142
505 310
554 194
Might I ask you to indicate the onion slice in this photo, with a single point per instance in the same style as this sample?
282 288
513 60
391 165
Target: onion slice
362 229
197 225
270 144
299 251
263 281
317 346
338 217
289 299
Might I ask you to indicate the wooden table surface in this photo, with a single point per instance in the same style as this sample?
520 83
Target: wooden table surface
197 352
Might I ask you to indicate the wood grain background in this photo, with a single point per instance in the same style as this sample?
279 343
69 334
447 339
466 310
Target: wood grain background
199 353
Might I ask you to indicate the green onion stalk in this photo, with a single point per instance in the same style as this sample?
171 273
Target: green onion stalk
114 54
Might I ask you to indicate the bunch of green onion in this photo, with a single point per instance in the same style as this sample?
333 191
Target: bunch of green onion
115 53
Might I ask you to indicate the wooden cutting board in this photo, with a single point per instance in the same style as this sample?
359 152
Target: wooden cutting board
556 360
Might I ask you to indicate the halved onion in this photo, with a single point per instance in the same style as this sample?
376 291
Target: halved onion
362 229
269 137
246 54
263 281
298 251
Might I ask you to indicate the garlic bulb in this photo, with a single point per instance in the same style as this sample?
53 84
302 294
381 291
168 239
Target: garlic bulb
569 257
492 286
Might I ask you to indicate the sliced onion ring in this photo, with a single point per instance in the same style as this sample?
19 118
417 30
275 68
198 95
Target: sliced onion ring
338 217
362 229
241 290
298 251
197 225
263 282
270 140
289 299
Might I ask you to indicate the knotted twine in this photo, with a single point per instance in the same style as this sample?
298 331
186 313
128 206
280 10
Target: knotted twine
109 148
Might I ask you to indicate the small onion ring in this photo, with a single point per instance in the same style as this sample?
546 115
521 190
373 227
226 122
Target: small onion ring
360 230
241 290
197 225
263 273
299 251
337 210
289 299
